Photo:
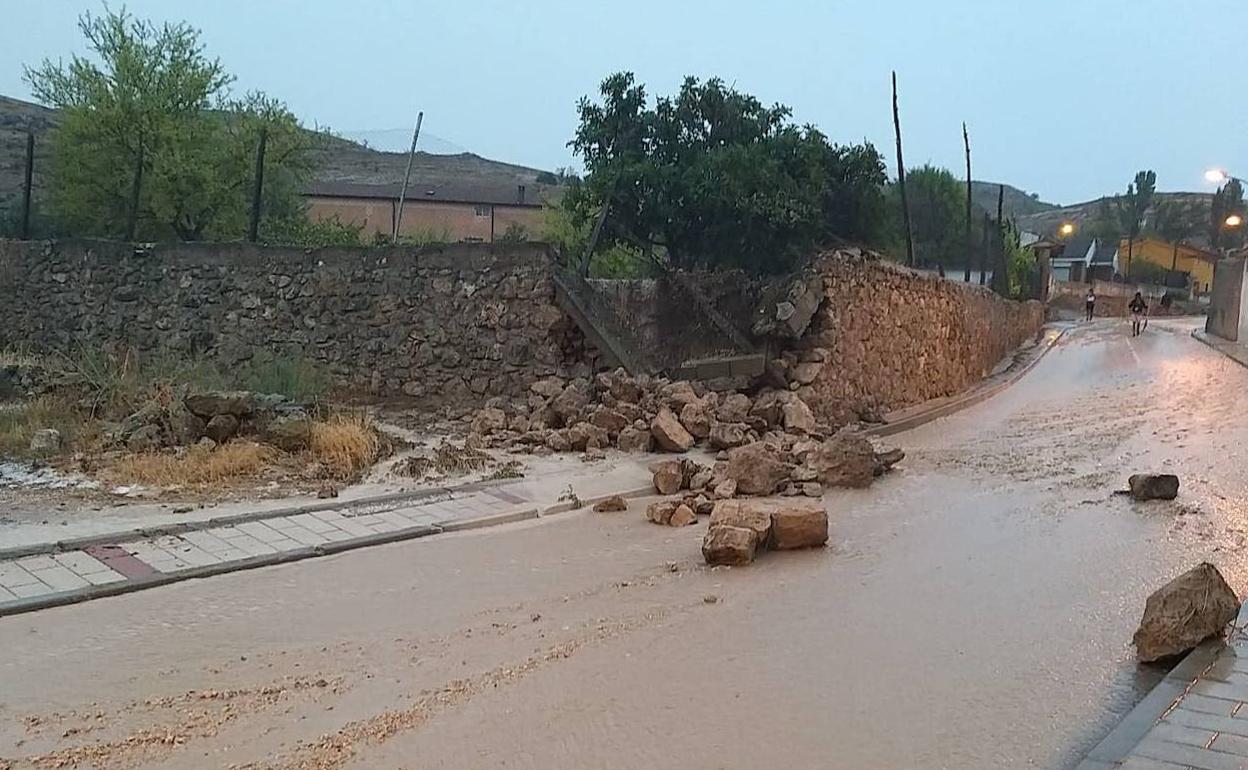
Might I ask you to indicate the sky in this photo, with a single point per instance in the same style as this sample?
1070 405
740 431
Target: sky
1064 98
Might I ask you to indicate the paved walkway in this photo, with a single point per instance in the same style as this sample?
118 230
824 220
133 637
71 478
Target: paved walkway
1236 351
1196 718
50 574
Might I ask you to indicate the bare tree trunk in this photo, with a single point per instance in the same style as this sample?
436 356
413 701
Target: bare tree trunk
24 232
257 192
966 141
985 249
901 178
132 223
1001 224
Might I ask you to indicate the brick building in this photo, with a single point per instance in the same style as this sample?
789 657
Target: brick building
450 212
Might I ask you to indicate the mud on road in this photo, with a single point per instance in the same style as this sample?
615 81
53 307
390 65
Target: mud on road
974 610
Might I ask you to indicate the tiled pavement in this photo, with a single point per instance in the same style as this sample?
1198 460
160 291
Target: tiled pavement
1196 718
131 561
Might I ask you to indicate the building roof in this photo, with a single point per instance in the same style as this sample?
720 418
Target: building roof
1076 249
1105 253
496 193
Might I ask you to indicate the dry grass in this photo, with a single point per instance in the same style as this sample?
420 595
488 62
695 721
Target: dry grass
18 423
346 445
197 467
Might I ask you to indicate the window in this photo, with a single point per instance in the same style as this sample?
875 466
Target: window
482 210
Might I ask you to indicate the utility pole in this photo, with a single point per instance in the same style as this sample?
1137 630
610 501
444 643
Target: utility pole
24 233
132 222
966 140
407 175
901 178
257 191
986 249
1000 272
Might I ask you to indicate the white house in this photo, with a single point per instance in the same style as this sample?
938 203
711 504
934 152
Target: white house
1073 263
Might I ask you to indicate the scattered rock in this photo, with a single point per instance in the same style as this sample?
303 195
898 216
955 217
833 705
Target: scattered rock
571 401
610 420
725 489
709 598
668 477
1184 612
683 516
550 387
797 417
145 439
327 491
1154 486
46 441
758 469
812 489
696 419
488 420
738 513
289 432
798 528
734 407
669 434
729 545
676 394
222 427
611 505
661 512
845 460
728 435
237 403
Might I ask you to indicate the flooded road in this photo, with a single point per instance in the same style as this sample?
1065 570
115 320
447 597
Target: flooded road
974 610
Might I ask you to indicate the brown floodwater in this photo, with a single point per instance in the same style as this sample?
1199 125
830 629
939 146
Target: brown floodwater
974 610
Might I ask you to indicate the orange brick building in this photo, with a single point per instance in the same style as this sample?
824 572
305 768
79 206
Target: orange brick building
447 212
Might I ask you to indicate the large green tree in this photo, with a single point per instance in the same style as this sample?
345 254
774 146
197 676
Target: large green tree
150 143
1228 200
713 176
937 215
1130 208
1173 224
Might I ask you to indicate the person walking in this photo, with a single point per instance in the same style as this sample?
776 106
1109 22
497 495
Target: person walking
1137 308
1090 303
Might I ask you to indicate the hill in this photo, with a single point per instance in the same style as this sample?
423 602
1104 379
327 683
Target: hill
1196 206
336 159
1017 202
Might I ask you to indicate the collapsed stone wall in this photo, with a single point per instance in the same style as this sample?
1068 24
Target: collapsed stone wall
883 337
449 325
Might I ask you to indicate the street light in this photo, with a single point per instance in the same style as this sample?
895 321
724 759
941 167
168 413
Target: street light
1234 220
1066 230
1216 175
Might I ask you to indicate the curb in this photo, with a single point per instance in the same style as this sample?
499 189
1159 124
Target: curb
252 562
394 498
1132 728
156 580
958 404
1202 336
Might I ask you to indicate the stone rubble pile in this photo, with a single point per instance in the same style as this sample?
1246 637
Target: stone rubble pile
739 529
644 414
214 417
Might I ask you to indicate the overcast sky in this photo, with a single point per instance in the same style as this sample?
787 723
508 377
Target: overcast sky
1067 98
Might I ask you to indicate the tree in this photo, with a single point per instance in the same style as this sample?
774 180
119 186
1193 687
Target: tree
1129 209
936 214
1227 200
150 143
712 176
1172 224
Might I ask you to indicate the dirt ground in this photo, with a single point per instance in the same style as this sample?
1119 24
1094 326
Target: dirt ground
974 610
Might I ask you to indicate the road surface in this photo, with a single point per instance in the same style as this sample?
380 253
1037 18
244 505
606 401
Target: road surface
974 610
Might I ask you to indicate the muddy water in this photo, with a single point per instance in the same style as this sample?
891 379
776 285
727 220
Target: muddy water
974 611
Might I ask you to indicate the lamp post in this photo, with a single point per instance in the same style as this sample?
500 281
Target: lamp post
1066 230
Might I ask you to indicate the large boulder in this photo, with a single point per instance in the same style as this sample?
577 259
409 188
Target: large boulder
668 477
489 420
568 404
611 505
584 435
728 545
1184 612
697 419
676 394
768 408
797 416
661 512
734 407
728 435
633 439
738 513
45 441
758 468
668 433
610 420
549 387
798 528
683 516
237 403
222 428
288 431
145 439
845 460
1154 486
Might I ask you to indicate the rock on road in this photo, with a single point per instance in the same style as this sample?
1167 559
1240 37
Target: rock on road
974 610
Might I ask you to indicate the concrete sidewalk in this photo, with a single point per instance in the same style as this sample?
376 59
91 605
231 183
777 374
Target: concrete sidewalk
49 574
1235 351
1196 718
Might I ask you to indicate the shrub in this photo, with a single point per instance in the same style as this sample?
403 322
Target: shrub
346 444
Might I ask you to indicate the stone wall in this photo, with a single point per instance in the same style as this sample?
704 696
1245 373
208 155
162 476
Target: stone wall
886 337
452 324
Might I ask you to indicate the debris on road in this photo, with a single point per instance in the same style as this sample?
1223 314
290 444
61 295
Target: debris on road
1154 486
611 505
1184 612
779 528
